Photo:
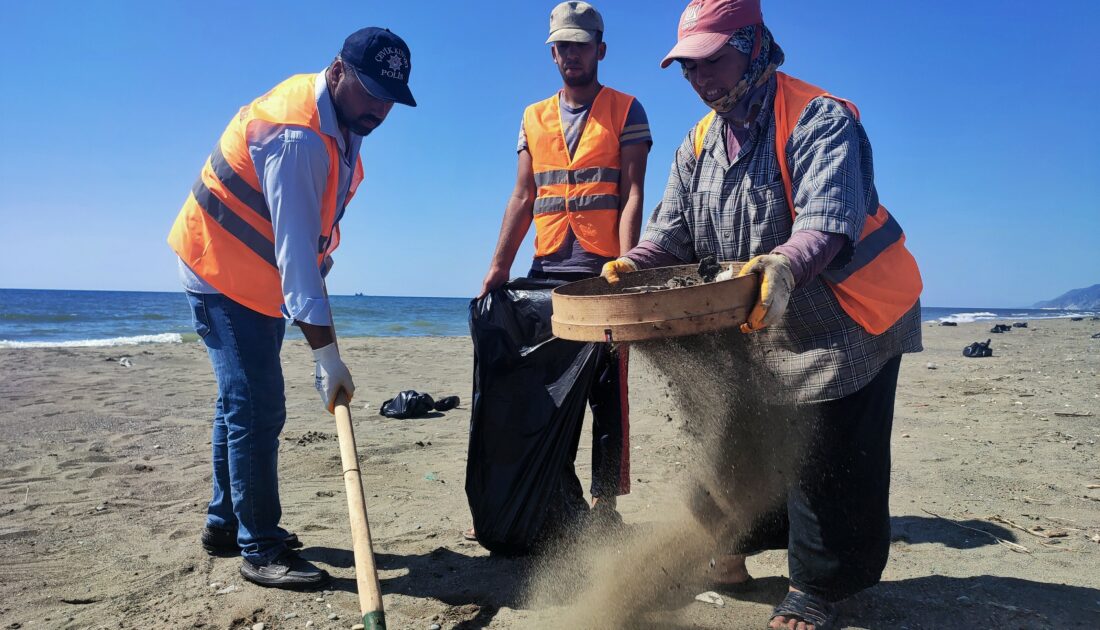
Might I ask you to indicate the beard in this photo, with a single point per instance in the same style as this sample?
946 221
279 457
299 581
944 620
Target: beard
578 80
361 126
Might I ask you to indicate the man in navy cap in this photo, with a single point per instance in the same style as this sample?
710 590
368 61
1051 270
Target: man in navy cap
254 241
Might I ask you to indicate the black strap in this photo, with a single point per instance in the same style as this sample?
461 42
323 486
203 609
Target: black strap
808 608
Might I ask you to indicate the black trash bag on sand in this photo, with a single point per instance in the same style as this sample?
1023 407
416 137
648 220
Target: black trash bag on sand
412 404
978 350
407 404
529 399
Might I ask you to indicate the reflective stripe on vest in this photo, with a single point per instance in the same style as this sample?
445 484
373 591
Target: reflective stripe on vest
579 192
882 281
224 232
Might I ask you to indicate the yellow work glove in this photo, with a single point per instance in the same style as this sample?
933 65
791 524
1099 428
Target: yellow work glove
612 270
776 284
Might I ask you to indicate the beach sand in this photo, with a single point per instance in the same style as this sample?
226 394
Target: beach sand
104 478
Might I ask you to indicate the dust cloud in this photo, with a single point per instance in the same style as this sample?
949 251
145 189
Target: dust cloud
746 444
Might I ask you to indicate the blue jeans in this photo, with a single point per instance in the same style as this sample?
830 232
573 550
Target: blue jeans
244 346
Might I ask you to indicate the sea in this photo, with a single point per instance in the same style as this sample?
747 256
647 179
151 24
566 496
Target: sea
36 318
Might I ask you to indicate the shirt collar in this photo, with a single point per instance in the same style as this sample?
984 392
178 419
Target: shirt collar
326 110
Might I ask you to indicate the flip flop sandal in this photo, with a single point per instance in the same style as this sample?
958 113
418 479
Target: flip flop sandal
807 608
470 534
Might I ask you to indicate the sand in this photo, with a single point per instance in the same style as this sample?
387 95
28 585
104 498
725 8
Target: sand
104 478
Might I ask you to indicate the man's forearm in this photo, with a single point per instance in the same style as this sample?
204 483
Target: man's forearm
648 254
317 336
517 220
630 224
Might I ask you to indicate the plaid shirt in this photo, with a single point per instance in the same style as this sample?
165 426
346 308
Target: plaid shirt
737 211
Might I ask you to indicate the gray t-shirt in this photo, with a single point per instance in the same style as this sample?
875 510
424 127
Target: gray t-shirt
572 257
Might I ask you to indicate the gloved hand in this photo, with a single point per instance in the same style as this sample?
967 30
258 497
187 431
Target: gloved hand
331 375
776 284
612 270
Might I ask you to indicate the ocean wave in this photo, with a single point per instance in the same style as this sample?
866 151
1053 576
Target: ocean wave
984 316
966 318
96 343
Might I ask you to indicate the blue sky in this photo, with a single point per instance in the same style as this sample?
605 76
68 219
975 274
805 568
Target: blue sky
982 115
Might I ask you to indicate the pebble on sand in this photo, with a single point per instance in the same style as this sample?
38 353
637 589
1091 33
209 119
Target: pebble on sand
710 597
435 626
332 616
258 626
232 588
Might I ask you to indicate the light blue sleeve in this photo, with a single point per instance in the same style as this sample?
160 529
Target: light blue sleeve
292 166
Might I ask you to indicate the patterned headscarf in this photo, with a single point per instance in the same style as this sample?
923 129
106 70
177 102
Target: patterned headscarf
769 56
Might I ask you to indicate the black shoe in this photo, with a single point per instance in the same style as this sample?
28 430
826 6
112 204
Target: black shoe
288 570
219 542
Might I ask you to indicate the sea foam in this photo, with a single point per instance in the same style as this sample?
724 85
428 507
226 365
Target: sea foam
963 318
96 343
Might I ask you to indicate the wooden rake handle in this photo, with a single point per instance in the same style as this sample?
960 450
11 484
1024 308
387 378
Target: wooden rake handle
366 573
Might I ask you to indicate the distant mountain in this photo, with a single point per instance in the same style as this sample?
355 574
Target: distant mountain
1087 299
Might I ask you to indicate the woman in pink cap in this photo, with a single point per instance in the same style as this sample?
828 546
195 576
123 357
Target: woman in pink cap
780 174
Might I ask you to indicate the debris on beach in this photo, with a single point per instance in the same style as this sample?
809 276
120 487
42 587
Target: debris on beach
710 597
978 350
708 269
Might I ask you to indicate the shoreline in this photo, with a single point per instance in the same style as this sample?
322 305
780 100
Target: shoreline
189 337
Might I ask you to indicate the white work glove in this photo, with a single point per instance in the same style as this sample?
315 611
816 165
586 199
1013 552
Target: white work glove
331 375
612 270
776 284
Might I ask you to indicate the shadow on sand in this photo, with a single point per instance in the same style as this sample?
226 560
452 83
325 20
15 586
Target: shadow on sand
916 530
476 587
981 601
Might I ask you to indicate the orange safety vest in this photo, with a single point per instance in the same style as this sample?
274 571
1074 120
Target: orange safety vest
579 192
881 282
223 232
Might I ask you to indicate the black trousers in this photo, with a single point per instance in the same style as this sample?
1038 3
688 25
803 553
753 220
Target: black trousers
835 524
608 399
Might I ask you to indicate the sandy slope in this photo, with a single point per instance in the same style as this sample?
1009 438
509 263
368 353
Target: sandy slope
104 478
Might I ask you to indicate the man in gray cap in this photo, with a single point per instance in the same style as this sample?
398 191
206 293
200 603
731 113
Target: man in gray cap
581 185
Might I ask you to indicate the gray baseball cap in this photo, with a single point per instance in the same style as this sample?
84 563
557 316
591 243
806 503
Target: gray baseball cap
574 22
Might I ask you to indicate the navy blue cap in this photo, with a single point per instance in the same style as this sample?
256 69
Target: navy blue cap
382 63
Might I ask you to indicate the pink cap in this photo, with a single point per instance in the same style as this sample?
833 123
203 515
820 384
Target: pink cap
706 26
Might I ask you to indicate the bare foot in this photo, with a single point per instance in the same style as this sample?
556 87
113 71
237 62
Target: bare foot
604 503
730 570
470 534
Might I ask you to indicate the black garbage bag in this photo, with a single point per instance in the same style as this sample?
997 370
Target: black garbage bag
529 399
407 404
978 350
412 404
